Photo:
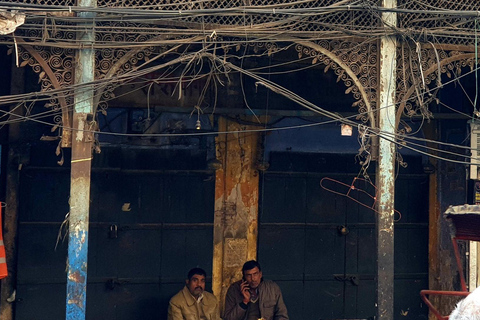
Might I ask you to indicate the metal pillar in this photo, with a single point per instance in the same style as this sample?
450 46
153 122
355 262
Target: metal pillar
386 170
82 140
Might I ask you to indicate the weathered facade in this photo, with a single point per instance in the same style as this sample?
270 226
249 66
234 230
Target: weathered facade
156 137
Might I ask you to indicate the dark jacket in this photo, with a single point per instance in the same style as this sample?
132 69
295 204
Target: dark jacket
270 302
183 306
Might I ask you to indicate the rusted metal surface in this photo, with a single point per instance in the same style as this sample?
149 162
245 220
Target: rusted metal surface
386 172
82 141
236 205
79 219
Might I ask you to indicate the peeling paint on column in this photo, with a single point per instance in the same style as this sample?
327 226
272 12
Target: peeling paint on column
79 132
79 219
236 205
80 170
77 274
78 245
385 170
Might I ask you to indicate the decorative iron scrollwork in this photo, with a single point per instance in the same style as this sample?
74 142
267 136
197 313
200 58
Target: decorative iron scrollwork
361 59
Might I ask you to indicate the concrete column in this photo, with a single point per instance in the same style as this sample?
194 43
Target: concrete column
236 205
386 169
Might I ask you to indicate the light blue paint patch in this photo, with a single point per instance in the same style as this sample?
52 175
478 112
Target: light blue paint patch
77 275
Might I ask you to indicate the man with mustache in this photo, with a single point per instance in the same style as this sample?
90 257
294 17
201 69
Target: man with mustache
254 298
193 302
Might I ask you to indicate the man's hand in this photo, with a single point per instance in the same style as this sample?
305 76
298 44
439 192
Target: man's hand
245 290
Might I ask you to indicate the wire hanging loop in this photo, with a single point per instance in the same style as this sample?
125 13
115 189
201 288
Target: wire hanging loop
350 190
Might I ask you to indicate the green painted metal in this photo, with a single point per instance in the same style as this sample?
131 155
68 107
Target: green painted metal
386 170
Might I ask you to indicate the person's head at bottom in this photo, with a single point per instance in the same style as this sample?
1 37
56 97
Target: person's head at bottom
252 273
195 281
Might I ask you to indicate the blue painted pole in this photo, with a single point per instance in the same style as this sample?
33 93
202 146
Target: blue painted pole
82 140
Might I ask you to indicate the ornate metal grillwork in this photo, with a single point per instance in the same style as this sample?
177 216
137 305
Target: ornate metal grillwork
419 75
55 69
361 59
302 16
455 28
124 45
47 2
422 22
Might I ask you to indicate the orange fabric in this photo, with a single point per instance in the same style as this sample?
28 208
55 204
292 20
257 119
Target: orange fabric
3 261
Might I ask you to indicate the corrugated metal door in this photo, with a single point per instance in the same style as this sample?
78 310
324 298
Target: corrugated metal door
147 229
151 229
320 246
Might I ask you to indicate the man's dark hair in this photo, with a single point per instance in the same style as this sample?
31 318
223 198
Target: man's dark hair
249 265
195 271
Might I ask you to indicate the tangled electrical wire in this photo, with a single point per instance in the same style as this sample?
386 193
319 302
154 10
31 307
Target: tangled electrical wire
47 24
228 25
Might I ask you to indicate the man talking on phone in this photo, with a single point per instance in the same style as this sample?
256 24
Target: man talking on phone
254 298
